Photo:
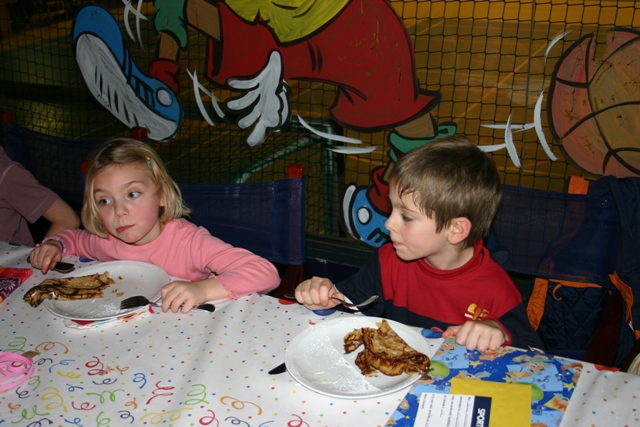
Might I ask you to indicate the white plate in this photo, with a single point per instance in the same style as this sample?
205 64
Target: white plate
316 359
131 278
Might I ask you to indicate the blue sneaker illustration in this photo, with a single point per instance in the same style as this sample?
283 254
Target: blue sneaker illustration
134 98
361 219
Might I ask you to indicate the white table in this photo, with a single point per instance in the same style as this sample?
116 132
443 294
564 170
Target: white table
200 368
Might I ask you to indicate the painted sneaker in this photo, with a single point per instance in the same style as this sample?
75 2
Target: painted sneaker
361 219
134 98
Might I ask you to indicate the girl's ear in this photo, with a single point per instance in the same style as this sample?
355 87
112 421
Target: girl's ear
459 230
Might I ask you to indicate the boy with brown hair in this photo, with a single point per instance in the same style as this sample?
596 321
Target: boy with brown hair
435 273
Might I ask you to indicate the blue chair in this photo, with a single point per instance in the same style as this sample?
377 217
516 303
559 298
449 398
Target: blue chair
267 218
563 248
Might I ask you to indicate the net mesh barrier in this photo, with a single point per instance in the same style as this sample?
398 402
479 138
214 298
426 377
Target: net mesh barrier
490 61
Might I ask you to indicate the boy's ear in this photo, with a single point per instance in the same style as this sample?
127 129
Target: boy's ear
460 229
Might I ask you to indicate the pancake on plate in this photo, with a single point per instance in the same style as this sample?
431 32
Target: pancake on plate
69 288
384 351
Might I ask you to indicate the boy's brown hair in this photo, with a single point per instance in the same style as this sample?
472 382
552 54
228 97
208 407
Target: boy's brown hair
127 151
450 178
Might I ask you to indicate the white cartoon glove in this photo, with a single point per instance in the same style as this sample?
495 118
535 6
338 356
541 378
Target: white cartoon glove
265 105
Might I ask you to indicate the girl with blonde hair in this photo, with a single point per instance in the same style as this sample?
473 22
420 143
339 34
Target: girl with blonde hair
133 210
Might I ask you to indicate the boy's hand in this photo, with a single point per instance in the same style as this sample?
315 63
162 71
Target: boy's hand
46 255
315 293
485 335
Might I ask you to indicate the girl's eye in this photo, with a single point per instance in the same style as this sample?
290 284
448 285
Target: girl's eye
134 194
103 202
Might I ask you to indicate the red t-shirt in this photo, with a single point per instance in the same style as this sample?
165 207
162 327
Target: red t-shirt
417 294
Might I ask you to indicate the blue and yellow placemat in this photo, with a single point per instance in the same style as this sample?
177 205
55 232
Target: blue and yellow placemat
552 380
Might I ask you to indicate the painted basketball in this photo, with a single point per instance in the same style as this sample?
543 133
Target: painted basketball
594 104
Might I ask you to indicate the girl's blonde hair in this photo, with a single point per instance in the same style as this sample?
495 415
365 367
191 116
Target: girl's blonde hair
128 151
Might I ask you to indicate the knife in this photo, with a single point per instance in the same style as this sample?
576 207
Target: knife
278 369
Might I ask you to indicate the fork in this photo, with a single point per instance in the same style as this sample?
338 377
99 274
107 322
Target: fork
343 302
140 300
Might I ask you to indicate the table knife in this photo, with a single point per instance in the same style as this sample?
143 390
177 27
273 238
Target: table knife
61 267
278 369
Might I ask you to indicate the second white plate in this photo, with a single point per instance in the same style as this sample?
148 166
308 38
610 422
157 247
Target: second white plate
131 278
316 359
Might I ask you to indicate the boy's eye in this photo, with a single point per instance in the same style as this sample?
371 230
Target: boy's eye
406 218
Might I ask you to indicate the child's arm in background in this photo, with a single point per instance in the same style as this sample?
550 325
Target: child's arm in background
315 293
61 216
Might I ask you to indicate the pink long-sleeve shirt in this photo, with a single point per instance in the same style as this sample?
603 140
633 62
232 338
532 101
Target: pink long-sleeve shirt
183 250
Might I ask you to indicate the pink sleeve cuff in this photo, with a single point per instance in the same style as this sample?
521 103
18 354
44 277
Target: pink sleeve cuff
57 240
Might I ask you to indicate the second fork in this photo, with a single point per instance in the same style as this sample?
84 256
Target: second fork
344 303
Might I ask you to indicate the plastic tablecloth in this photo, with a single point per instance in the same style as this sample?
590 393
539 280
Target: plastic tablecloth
201 368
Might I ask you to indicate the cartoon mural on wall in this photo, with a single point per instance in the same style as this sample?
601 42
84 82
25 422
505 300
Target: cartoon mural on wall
365 52
362 48
593 105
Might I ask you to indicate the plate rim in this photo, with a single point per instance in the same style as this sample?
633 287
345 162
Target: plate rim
49 303
290 357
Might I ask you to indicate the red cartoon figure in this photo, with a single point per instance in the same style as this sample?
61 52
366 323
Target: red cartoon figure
255 47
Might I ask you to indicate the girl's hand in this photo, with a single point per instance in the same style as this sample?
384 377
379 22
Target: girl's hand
485 335
315 293
46 255
184 296
181 296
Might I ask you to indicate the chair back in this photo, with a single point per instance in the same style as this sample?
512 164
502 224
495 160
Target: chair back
570 246
266 218
557 235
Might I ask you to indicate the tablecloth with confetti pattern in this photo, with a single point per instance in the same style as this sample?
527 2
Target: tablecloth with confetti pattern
200 368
